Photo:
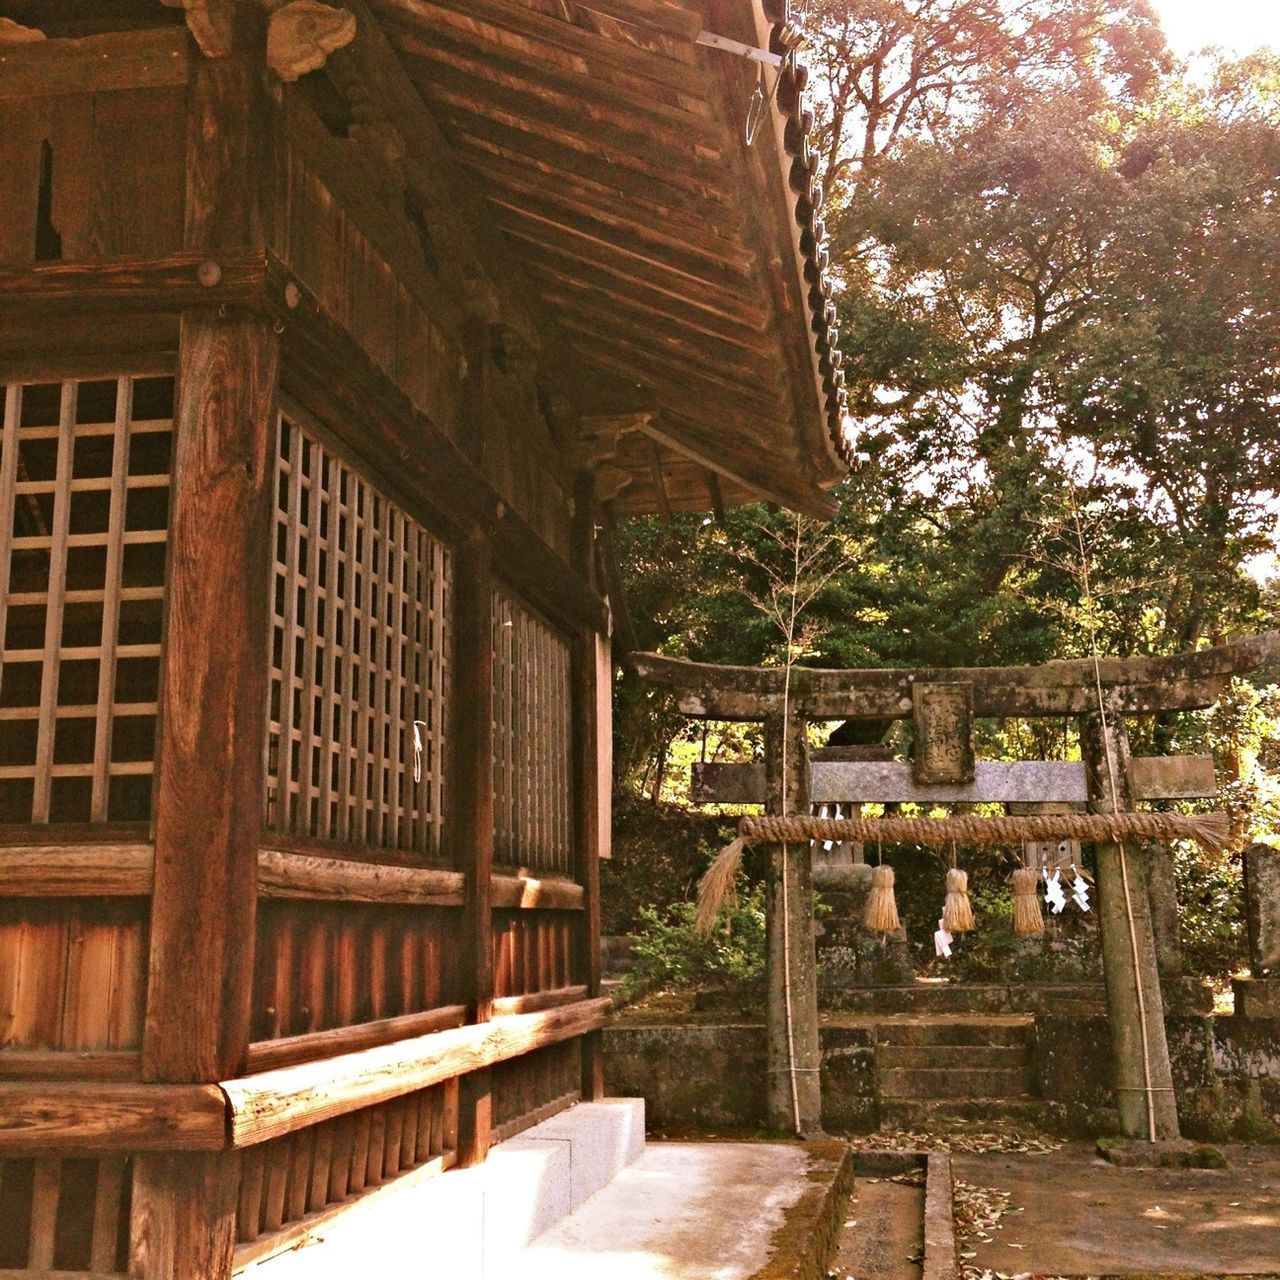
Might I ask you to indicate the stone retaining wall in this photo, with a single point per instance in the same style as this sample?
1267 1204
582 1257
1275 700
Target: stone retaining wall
710 1078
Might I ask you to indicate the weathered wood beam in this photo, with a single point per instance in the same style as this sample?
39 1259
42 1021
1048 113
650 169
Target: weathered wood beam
698 444
589 298
582 265
77 870
267 1055
1181 682
151 59
631 84
698 249
286 874
996 781
545 135
74 1117
478 134
536 1001
272 1103
676 21
547 105
69 1064
486 20
470 239
542 893
173 283
470 819
213 678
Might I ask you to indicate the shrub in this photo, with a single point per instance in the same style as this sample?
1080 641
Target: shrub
669 951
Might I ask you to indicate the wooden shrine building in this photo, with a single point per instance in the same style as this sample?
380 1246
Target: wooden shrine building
331 338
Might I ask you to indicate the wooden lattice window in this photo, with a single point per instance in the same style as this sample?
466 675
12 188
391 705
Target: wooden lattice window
532 741
84 511
359 645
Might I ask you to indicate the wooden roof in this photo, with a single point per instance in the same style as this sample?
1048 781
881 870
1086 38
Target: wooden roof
683 270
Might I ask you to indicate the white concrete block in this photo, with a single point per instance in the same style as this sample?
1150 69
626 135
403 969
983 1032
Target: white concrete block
526 1191
604 1138
472 1224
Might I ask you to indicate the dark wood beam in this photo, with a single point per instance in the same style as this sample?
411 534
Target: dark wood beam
213 682
178 281
470 815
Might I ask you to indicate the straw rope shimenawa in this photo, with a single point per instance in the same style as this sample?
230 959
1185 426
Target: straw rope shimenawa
1208 829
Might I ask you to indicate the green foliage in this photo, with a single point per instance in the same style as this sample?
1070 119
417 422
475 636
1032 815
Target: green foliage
1210 901
659 853
669 951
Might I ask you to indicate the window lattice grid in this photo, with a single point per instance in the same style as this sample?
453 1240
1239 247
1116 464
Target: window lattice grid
532 741
359 644
84 513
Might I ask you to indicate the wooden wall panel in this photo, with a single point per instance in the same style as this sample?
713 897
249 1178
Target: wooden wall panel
338 256
323 965
64 1214
290 1184
533 951
113 165
530 1089
72 974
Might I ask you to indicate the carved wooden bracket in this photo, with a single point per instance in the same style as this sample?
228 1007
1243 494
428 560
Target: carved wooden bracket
303 33
211 23
15 33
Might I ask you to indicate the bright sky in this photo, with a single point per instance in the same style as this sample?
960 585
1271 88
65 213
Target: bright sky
1239 26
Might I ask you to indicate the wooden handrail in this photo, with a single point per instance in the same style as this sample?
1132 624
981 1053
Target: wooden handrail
273 1103
102 1117
124 869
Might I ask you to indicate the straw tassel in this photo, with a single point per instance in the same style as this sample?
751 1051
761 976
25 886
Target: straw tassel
1027 917
717 885
957 914
882 909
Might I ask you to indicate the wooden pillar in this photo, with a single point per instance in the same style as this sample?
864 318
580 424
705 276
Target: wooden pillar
213 686
793 1056
471 813
1143 1079
591 791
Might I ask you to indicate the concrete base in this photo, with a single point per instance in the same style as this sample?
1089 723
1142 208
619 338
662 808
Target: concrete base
705 1211
472 1223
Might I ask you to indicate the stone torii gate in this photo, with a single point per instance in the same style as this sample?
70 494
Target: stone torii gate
942 704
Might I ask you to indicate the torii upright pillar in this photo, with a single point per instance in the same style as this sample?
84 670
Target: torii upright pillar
1135 1007
793 1055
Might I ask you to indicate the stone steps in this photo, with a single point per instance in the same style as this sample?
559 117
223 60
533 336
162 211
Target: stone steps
937 1114
952 1057
1007 1033
954 1083
927 997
